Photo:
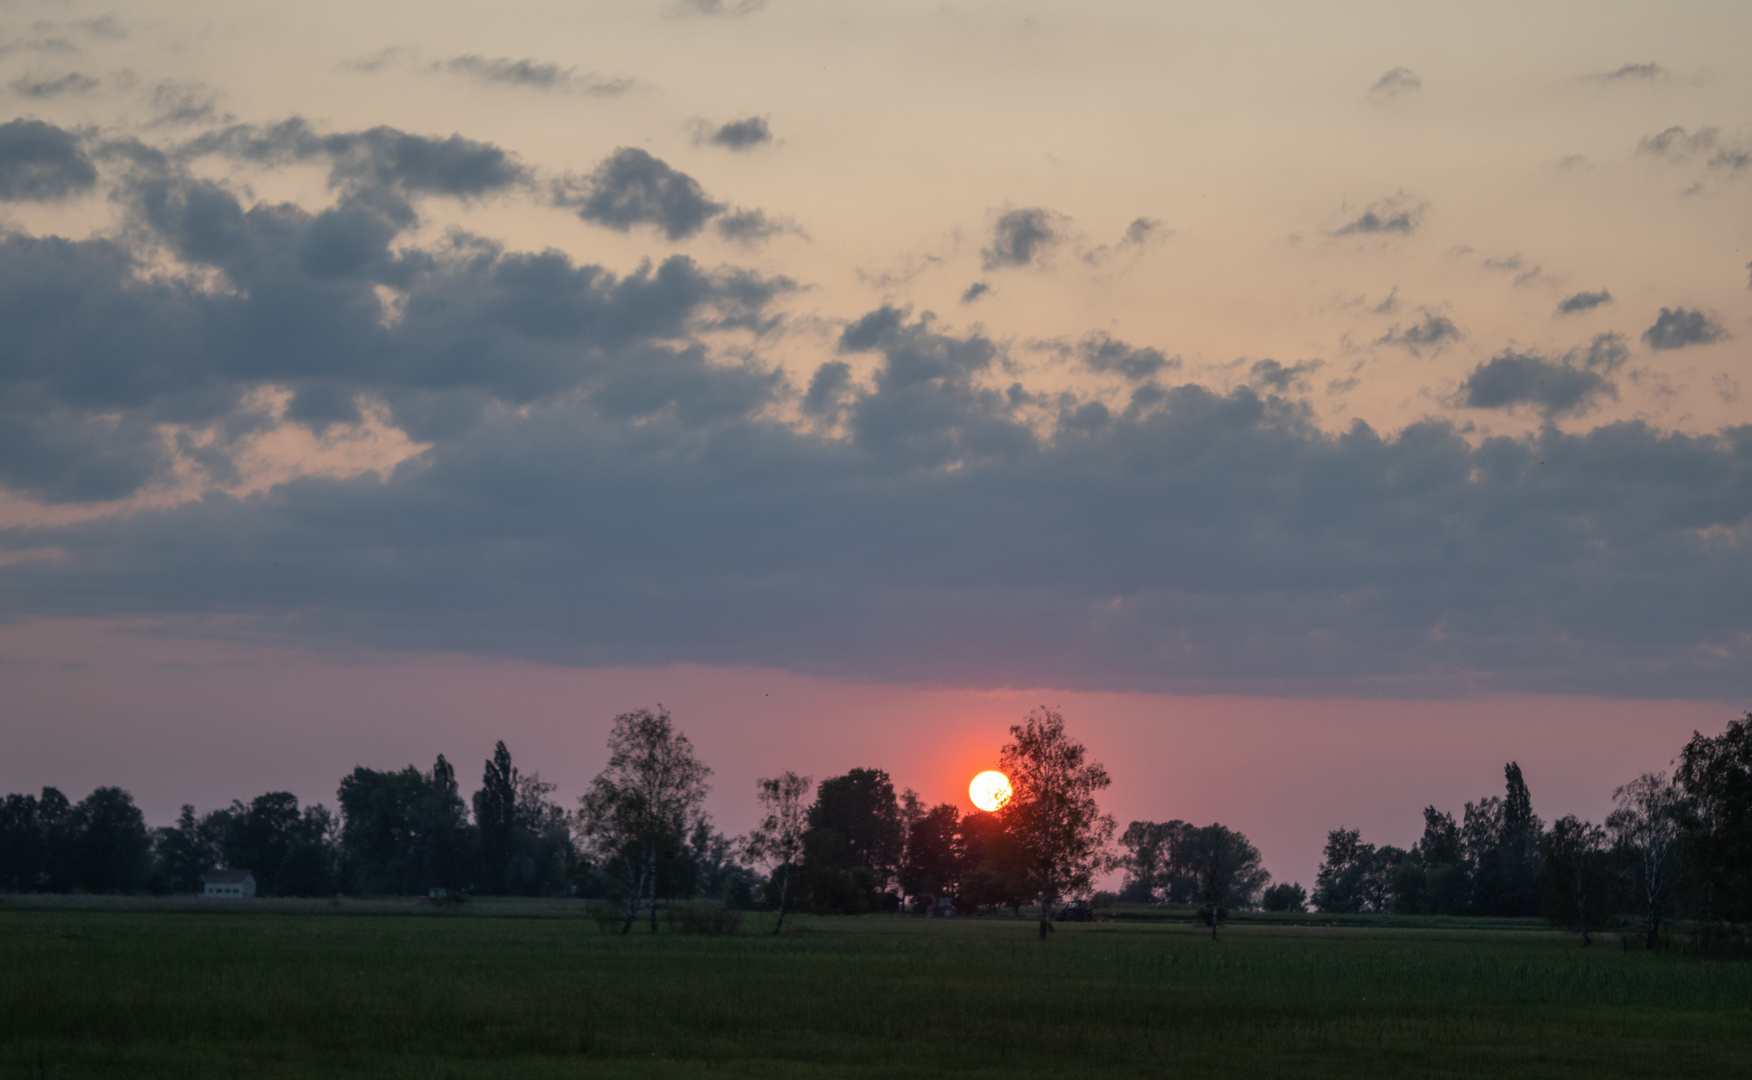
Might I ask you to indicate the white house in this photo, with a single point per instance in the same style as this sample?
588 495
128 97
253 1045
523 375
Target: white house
228 883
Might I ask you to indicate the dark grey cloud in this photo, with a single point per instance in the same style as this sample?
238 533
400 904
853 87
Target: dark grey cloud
1431 332
749 227
1396 83
382 168
532 74
1388 217
43 87
90 336
1021 236
1099 352
631 188
1675 328
975 291
1633 71
829 386
737 134
599 488
41 162
1569 385
1583 301
1273 377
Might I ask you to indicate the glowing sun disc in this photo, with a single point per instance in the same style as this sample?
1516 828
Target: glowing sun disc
989 790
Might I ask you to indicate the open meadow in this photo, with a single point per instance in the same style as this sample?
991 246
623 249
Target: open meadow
506 991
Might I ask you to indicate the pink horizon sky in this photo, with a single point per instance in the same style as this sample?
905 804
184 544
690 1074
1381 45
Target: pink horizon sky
175 720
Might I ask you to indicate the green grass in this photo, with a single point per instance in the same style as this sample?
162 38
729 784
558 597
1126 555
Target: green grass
318 991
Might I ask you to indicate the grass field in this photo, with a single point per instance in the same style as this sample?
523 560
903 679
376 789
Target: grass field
383 991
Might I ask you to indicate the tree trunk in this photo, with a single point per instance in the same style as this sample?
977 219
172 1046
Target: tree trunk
784 887
1046 899
638 894
651 873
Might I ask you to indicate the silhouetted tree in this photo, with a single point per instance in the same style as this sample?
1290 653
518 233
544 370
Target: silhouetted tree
1285 896
1052 811
180 855
1646 826
1152 869
995 867
1578 875
1506 874
35 853
495 810
639 809
856 847
403 832
777 841
111 849
1716 776
932 865
1434 878
1341 884
1227 870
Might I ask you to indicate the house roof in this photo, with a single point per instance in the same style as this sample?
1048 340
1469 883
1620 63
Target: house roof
227 877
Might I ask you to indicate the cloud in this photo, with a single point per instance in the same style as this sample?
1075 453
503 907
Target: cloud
737 134
41 162
975 291
719 8
1392 216
749 227
829 385
1675 328
59 86
1140 236
532 74
1396 83
1583 301
1101 353
630 187
380 60
180 104
1271 376
1633 71
1020 236
1570 385
1678 143
591 482
1433 332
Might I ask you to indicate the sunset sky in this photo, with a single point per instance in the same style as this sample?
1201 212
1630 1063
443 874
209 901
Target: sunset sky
1321 404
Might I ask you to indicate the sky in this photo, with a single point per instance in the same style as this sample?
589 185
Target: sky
1321 405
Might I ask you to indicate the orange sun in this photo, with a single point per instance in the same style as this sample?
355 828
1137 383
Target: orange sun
990 790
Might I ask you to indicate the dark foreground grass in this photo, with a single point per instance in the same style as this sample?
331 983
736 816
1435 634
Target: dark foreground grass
196 995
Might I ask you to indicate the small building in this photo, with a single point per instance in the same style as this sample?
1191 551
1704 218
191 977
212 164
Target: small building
231 883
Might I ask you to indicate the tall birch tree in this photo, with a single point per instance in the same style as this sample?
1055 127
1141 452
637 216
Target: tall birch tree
1052 810
640 808
777 842
1646 826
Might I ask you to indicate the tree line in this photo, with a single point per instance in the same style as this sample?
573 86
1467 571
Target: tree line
639 836
1673 846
